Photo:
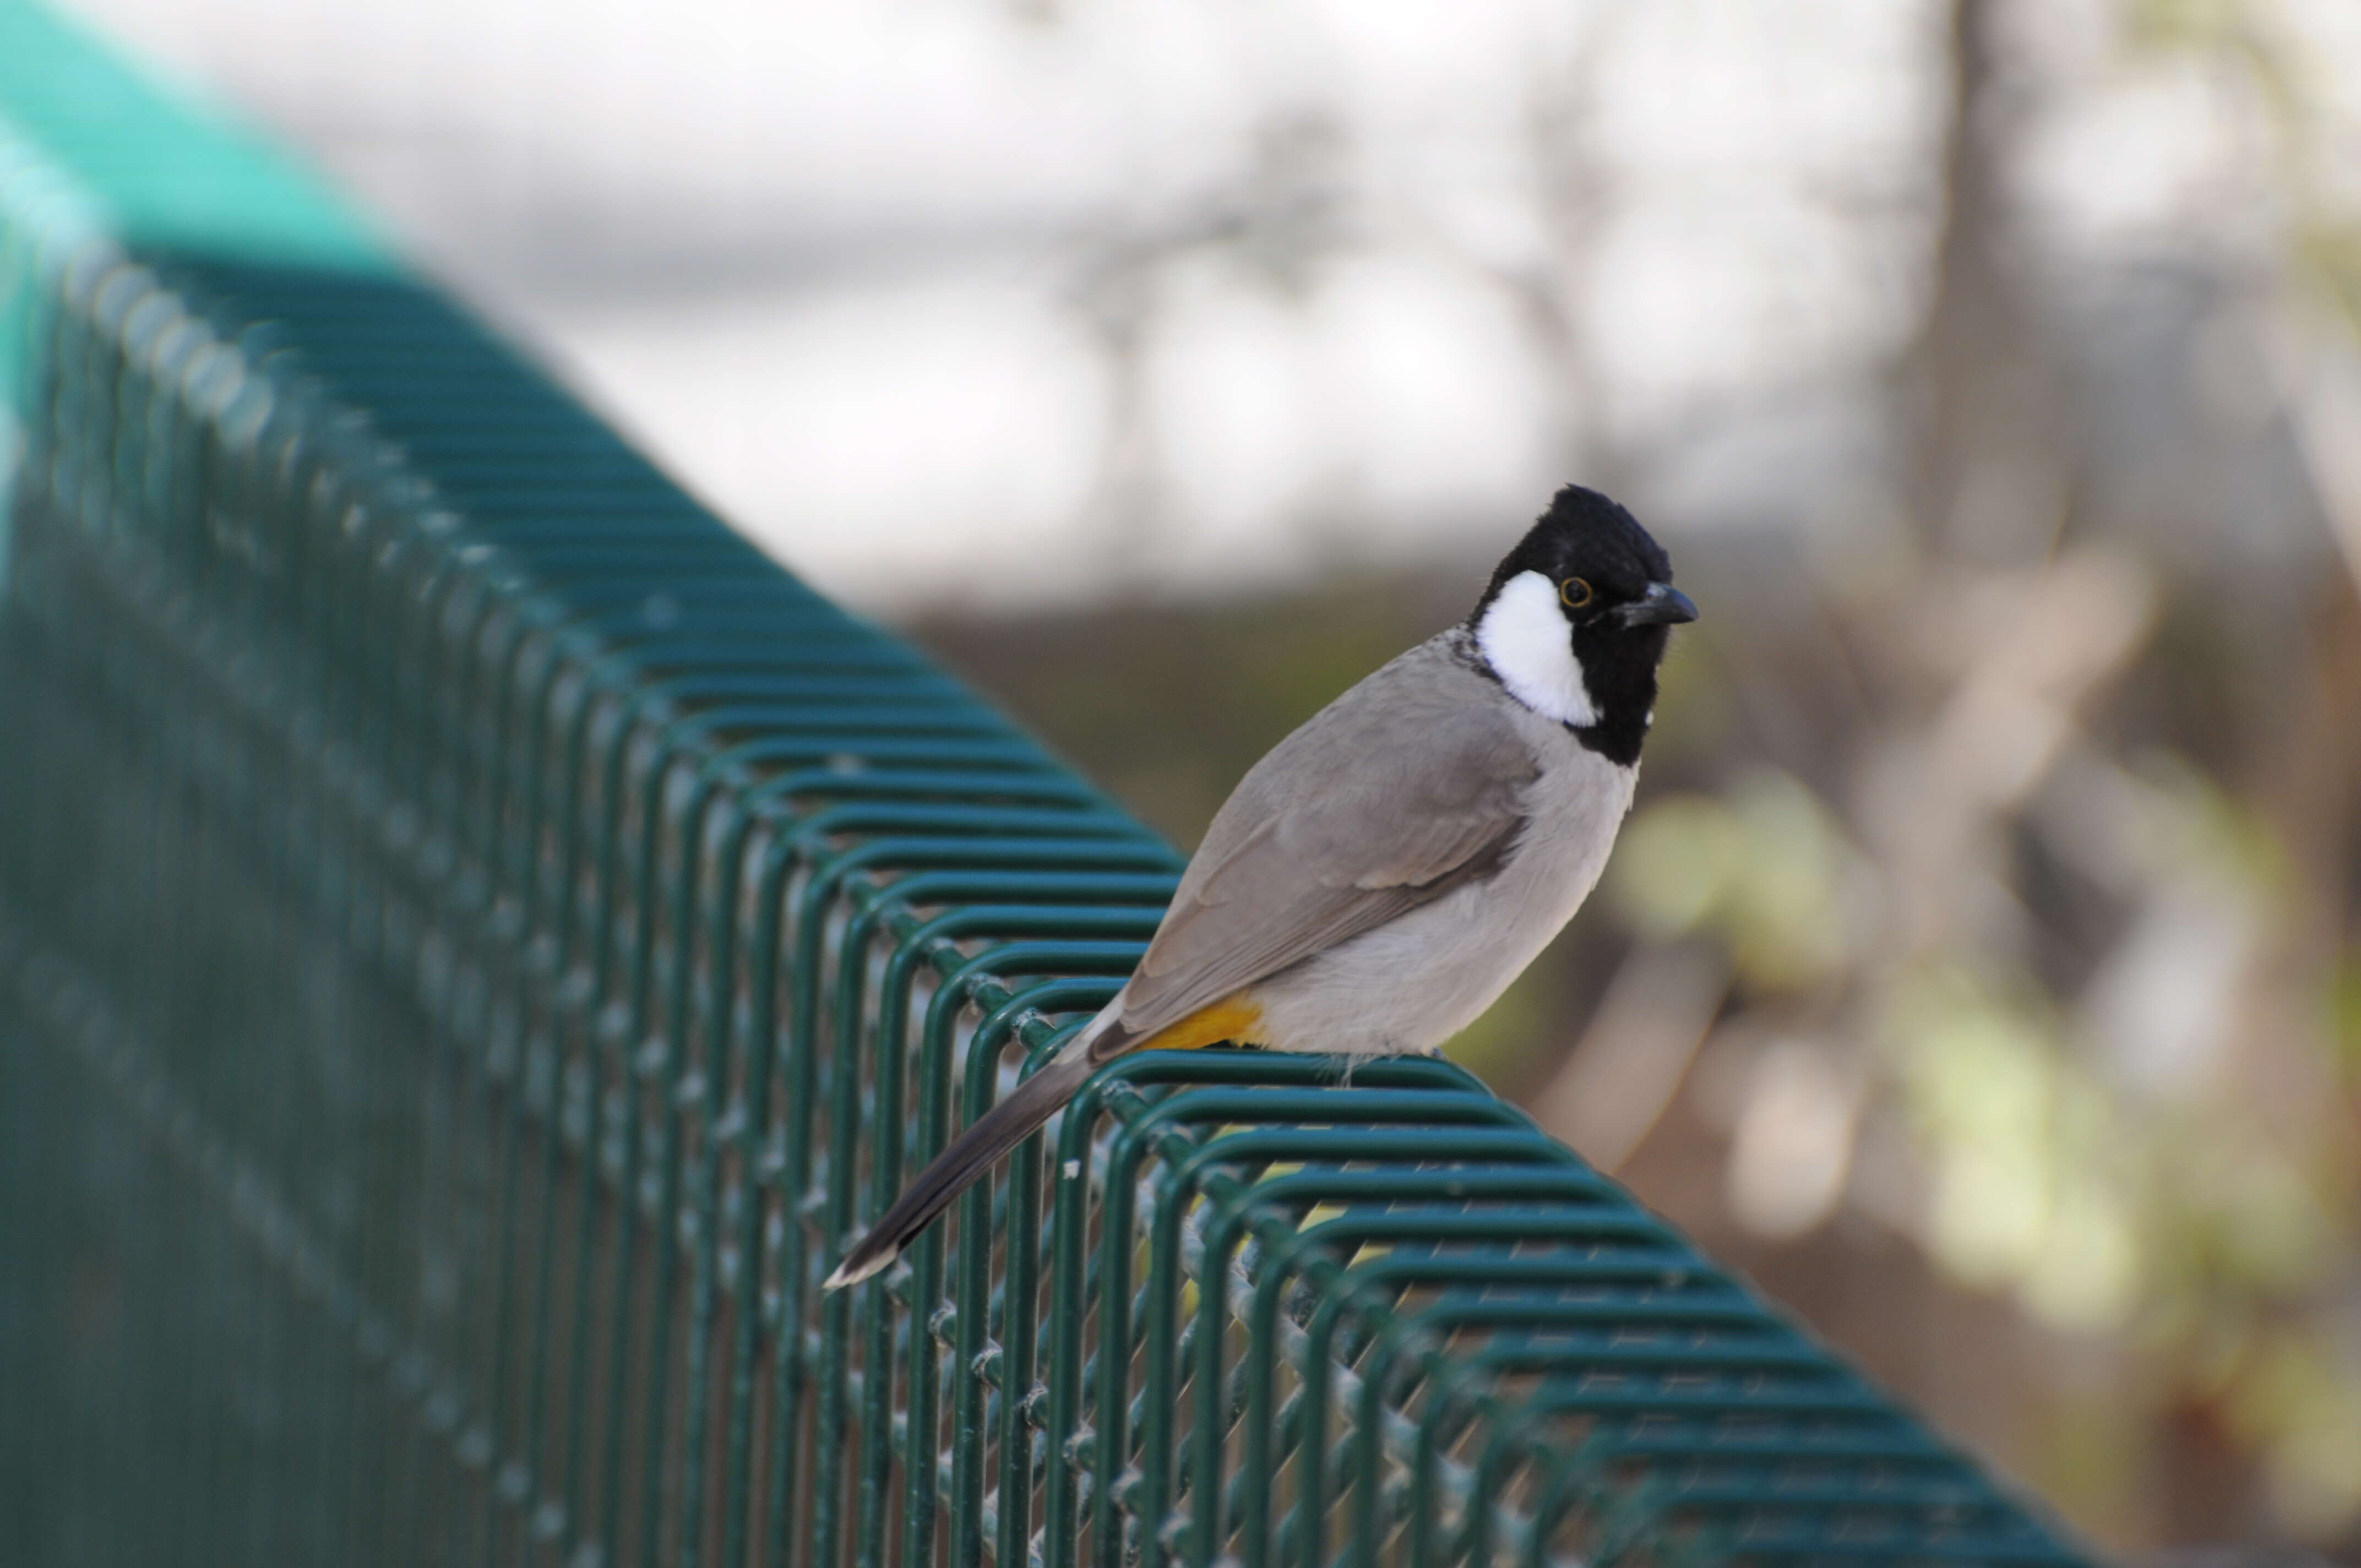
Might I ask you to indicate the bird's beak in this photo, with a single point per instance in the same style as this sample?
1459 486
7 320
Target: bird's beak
1662 605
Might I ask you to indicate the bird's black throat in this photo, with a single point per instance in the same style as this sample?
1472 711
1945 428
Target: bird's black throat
1620 669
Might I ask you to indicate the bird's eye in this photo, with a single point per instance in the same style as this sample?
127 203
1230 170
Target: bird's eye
1576 592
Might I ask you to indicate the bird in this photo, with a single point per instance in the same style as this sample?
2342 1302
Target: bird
1382 874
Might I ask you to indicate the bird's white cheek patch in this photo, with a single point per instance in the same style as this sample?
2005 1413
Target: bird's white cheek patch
1524 637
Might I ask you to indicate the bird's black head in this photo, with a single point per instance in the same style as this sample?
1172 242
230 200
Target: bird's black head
1575 621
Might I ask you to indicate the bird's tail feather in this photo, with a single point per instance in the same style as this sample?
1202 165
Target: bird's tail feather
972 1153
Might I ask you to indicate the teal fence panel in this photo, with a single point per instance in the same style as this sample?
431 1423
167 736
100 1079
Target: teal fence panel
476 939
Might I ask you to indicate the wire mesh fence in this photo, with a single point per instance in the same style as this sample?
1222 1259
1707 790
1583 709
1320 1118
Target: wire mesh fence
476 939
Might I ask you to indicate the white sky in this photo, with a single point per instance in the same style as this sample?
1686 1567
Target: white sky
837 261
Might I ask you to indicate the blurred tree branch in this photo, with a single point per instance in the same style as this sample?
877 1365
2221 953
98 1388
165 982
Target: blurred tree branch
1987 469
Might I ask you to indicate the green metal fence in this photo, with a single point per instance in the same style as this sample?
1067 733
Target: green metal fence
476 939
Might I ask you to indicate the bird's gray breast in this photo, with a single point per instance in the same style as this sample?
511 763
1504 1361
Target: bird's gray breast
1413 982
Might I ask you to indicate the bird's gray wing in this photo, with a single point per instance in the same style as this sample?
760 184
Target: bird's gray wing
1406 786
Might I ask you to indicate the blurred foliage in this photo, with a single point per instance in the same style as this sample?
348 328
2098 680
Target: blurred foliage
1763 868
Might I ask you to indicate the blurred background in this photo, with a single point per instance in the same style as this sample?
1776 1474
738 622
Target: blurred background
1981 969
